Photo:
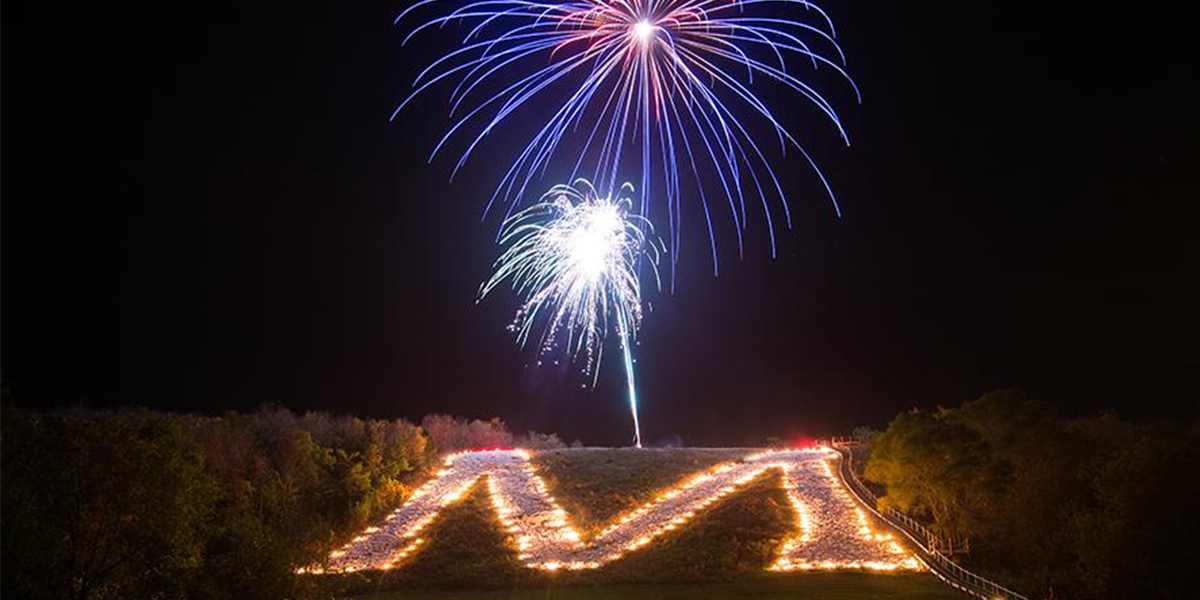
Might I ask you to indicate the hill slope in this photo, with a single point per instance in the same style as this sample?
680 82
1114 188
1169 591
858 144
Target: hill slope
725 547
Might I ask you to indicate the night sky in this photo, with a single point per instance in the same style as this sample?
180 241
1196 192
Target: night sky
207 209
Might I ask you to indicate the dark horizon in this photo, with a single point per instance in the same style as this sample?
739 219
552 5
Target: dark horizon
209 210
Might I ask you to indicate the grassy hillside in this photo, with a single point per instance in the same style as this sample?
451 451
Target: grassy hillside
724 550
783 586
595 485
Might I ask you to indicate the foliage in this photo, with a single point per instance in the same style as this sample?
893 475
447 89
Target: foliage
101 506
1141 536
294 486
864 435
1089 507
533 440
135 504
449 434
935 467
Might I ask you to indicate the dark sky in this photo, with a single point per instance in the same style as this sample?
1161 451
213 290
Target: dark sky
206 208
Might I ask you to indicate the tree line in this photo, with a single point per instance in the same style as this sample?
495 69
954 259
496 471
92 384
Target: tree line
151 505
1093 507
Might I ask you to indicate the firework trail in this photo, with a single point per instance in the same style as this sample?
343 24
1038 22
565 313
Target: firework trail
667 81
574 258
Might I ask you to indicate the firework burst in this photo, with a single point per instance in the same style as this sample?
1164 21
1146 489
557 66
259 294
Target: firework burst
649 86
575 258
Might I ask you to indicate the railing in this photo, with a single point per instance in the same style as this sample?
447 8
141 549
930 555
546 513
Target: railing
940 564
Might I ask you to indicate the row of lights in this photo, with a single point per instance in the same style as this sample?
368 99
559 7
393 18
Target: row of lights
875 551
545 539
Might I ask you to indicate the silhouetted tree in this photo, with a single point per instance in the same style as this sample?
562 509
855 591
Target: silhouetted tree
1142 536
101 506
934 467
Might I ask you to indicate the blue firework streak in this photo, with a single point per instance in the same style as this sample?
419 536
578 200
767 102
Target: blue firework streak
575 258
667 81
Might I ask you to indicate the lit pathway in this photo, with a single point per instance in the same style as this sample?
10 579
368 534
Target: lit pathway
834 532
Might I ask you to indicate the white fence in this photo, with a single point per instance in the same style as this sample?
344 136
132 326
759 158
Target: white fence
941 565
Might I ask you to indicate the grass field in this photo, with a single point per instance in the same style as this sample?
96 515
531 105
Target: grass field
722 553
789 586
595 485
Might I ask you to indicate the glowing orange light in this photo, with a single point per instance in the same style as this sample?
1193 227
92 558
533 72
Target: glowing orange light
833 532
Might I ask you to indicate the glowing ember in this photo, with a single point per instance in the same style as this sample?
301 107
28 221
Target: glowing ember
834 531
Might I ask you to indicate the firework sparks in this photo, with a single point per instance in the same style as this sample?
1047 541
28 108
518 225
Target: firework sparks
575 258
659 83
